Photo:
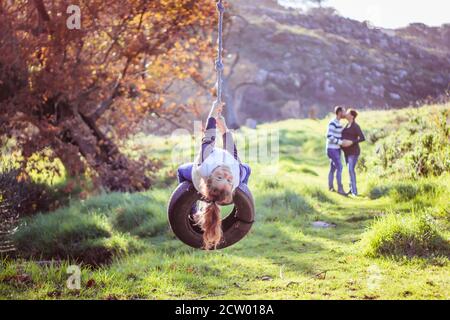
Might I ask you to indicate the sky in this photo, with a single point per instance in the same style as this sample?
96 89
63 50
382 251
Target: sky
390 13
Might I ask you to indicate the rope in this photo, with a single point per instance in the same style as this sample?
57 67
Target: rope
219 61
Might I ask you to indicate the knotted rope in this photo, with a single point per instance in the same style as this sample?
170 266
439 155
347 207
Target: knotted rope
219 61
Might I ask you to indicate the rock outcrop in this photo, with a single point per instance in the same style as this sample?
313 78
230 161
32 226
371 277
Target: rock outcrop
292 62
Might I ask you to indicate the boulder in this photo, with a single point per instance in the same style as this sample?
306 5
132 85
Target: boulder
356 68
295 59
378 91
395 96
328 88
251 123
261 76
291 109
323 225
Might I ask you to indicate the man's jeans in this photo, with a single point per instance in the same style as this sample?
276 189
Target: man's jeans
335 166
352 161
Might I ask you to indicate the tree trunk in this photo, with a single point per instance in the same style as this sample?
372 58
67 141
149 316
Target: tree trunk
230 111
115 172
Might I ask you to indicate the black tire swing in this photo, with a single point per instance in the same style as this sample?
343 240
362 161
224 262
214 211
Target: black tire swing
239 222
235 226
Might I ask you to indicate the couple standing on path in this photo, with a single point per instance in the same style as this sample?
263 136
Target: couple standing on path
344 139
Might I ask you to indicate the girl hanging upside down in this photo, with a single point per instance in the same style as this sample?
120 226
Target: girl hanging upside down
215 174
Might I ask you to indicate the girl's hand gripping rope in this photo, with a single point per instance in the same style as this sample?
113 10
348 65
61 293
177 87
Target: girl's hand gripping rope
222 125
216 109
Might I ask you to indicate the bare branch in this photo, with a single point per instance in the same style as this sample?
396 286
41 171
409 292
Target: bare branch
40 6
104 105
233 65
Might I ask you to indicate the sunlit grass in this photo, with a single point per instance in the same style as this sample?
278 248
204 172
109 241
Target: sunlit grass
283 257
405 235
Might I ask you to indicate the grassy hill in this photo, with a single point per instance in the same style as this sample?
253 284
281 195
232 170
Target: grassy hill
390 243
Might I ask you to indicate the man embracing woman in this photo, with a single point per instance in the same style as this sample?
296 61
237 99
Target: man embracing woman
346 139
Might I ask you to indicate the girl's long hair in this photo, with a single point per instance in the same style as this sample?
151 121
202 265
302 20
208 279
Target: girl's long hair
210 222
209 219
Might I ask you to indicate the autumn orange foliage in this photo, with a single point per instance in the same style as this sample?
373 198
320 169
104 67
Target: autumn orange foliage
79 92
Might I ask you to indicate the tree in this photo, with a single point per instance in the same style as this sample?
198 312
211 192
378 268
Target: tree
61 88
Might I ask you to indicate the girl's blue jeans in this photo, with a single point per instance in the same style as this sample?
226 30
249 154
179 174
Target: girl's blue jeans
185 173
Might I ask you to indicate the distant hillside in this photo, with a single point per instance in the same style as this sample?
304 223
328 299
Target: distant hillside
293 64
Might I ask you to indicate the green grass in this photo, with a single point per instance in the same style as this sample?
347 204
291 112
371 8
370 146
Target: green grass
283 257
69 234
400 235
92 231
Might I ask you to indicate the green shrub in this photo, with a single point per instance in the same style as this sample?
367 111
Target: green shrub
24 196
404 235
377 191
420 148
139 214
93 230
103 250
375 135
143 220
404 191
66 234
